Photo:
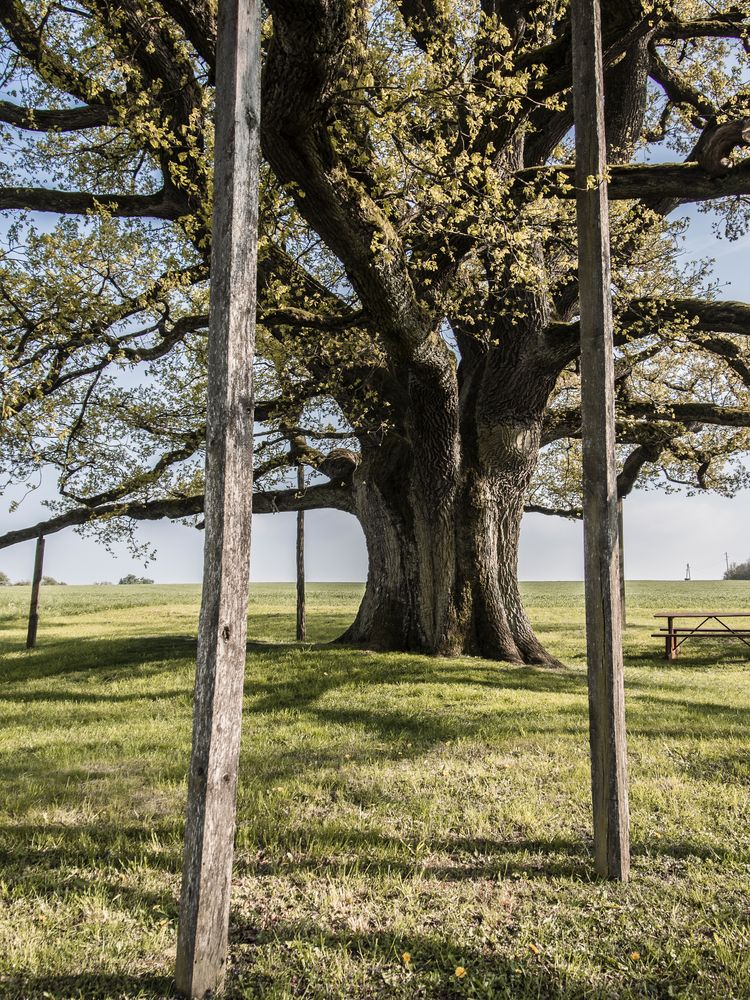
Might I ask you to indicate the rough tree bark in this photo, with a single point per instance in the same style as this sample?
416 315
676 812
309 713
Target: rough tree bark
440 502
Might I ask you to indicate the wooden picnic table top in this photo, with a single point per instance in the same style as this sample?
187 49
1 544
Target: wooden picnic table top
686 630
702 614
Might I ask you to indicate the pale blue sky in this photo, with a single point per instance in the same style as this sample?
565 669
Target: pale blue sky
662 534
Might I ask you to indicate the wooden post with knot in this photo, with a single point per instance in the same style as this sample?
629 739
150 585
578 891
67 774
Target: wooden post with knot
609 777
217 712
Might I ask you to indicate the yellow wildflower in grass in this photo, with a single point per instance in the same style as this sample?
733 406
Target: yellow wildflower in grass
460 972
635 955
406 958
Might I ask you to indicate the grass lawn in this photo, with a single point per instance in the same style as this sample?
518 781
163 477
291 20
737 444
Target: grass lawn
400 817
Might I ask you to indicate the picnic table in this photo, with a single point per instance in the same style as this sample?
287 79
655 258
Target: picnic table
710 625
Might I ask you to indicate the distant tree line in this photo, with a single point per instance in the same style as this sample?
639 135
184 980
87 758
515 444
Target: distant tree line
738 571
50 581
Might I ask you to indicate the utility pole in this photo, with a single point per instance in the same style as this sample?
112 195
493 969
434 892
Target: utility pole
609 778
217 713
35 585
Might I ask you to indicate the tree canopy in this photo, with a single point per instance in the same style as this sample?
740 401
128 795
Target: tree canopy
738 571
418 295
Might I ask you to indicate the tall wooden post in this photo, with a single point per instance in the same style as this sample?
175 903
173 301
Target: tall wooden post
301 559
621 553
209 831
603 613
35 585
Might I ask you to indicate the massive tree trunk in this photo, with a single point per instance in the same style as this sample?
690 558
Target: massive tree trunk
441 502
441 498
444 580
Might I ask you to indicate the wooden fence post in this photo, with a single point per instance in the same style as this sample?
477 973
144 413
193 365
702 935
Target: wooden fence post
621 556
217 719
301 623
609 779
35 585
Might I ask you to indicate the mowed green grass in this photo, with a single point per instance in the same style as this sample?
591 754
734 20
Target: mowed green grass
389 805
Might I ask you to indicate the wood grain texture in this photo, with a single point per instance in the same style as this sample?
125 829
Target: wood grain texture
603 611
217 719
35 585
621 553
301 614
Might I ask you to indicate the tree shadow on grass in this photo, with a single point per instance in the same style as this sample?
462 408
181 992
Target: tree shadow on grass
408 732
720 769
649 713
31 859
99 698
352 667
304 689
653 715
379 970
376 967
456 859
88 986
100 656
691 659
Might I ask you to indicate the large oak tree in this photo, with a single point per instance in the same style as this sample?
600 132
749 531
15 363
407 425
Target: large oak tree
418 284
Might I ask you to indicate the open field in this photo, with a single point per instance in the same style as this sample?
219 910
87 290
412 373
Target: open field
389 805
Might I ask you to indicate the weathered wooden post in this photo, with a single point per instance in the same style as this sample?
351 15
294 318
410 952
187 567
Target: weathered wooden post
209 831
621 552
301 559
35 585
609 780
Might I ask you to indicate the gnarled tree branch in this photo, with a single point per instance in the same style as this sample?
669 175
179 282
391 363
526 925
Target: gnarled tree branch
162 205
683 182
175 508
55 120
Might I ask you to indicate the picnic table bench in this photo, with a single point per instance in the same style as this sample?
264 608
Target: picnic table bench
710 625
